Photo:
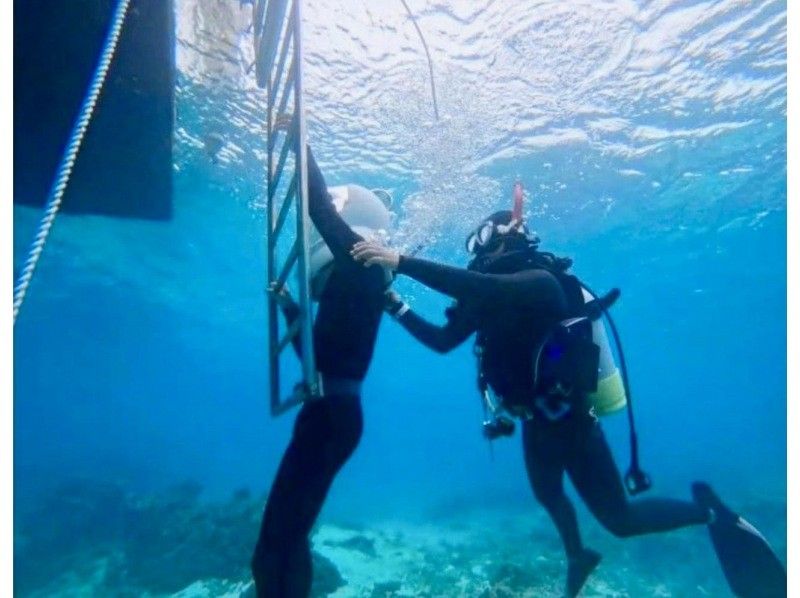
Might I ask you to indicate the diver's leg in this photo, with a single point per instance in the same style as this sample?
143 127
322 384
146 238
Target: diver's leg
596 478
326 433
298 576
545 469
544 445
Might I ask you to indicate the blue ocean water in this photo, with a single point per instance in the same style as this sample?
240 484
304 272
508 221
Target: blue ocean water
651 140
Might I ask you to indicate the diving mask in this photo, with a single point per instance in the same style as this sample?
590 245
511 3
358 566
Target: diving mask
489 231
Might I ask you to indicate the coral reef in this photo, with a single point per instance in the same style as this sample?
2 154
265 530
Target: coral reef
95 539
111 543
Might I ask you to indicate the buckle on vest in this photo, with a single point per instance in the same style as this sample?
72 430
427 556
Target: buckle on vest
552 408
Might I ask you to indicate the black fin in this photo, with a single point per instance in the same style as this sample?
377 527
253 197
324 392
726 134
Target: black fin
751 567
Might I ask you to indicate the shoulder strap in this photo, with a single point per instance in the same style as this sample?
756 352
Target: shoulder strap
572 290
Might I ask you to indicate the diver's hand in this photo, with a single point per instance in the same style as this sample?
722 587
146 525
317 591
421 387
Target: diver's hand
372 253
282 296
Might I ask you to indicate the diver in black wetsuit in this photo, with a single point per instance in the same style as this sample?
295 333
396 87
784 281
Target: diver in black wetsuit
512 295
327 430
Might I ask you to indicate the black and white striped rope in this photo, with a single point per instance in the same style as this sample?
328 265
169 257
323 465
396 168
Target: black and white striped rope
70 154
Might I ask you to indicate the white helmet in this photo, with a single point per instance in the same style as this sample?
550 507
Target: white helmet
367 213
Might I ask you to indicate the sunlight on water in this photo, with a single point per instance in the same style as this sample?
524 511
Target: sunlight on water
618 89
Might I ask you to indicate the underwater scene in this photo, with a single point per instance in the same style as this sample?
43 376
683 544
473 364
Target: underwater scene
650 140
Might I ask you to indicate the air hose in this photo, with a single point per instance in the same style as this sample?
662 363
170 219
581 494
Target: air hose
636 480
70 154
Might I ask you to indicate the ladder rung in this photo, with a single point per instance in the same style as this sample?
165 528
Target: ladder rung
270 35
287 266
276 83
298 396
289 133
291 332
287 89
287 202
275 179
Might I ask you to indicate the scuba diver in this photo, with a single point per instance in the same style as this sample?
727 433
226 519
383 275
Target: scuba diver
548 377
327 430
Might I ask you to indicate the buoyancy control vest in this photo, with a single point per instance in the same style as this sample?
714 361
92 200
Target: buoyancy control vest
566 360
575 368
575 363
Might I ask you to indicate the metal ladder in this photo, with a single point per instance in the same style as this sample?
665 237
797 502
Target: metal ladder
277 36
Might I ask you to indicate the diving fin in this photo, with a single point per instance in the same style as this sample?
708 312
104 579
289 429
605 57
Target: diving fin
751 567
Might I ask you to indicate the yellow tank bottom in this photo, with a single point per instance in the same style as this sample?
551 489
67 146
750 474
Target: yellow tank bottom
610 395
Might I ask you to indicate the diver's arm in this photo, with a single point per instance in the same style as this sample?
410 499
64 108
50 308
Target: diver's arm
337 234
441 339
535 288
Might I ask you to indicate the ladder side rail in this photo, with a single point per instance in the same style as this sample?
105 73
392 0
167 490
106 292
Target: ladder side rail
270 31
271 247
310 375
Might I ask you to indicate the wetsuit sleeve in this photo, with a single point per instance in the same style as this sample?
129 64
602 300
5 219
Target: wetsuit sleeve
337 234
439 338
533 288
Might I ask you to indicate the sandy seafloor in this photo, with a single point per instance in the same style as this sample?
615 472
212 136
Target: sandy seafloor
175 544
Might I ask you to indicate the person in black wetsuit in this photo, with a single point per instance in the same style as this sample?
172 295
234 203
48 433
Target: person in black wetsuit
512 295
327 430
